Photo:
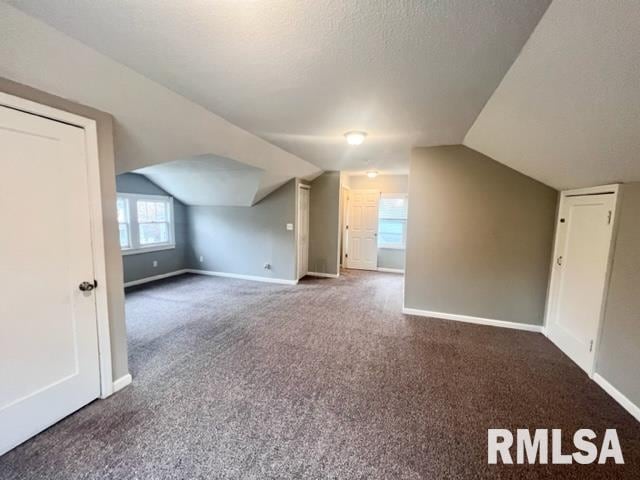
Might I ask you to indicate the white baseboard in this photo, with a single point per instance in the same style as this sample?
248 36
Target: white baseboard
154 278
121 382
391 270
618 396
321 274
254 278
477 320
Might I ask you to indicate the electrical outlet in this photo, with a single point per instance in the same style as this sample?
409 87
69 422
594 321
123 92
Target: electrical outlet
267 266
289 226
155 263
201 259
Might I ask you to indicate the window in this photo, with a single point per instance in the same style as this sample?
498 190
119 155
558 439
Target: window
145 223
392 221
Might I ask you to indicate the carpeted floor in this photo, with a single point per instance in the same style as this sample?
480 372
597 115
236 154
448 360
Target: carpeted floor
236 379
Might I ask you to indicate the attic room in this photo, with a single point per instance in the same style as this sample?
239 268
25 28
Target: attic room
327 239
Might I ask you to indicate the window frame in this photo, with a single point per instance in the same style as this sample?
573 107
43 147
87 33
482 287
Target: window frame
394 246
134 225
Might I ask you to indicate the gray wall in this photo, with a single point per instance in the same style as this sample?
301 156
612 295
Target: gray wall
115 292
619 351
391 258
383 183
140 265
387 258
242 239
480 237
324 223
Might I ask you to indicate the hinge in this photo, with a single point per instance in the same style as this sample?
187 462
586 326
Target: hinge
609 218
347 227
591 346
346 255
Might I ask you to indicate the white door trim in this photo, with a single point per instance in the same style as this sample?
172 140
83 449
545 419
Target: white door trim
301 186
97 233
345 223
613 189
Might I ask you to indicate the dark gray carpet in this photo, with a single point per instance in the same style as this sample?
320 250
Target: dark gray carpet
235 379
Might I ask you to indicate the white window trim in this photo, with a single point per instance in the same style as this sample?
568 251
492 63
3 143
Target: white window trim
391 246
134 235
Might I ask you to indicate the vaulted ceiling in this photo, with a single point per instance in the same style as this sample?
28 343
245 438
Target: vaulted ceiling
301 73
568 111
552 94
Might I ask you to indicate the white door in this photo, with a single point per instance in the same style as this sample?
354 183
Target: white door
362 249
583 241
48 334
303 231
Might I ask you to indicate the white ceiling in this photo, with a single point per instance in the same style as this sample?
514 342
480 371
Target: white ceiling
209 180
152 124
568 111
301 73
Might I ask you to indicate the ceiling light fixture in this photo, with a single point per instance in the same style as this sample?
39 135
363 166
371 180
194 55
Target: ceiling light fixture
355 137
372 174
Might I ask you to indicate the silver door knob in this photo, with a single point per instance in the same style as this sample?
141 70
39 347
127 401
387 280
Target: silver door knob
87 286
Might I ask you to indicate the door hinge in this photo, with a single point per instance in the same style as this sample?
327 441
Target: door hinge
609 218
346 255
591 346
347 227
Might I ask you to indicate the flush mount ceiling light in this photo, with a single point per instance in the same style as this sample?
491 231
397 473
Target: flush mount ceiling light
372 174
355 137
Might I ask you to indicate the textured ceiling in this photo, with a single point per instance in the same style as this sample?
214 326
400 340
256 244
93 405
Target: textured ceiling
208 180
568 112
301 73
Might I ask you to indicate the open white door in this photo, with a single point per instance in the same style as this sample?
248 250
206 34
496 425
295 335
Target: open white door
49 364
362 247
580 271
303 230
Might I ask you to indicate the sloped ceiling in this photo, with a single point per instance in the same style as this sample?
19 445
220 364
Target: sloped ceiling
207 180
568 111
300 73
152 124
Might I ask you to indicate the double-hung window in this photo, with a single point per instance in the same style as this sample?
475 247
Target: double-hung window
145 223
392 221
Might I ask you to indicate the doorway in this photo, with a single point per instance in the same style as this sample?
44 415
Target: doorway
54 337
580 271
303 230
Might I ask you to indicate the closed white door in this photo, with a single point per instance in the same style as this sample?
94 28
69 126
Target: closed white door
583 241
362 249
303 231
48 333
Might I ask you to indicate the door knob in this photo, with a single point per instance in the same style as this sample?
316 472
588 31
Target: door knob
87 286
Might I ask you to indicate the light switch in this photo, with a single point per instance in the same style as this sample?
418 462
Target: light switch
289 226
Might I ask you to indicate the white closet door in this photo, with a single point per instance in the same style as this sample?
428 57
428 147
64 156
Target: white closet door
48 333
362 252
583 241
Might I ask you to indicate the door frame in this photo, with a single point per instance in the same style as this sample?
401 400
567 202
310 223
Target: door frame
300 186
615 190
97 232
345 192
